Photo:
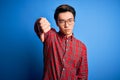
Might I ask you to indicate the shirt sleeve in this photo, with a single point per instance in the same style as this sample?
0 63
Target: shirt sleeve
82 71
50 34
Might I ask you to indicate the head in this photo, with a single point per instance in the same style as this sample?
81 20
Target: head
65 16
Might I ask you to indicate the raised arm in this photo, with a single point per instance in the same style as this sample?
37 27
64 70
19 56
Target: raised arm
41 27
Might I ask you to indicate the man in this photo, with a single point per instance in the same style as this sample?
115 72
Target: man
65 57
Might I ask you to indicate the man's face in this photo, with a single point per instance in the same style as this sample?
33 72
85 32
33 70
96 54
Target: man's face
66 23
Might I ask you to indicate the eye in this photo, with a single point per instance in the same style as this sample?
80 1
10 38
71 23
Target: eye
70 20
61 21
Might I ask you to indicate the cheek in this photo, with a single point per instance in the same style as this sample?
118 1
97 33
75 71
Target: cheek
72 26
60 28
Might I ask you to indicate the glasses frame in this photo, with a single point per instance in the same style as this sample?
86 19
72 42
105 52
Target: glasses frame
68 21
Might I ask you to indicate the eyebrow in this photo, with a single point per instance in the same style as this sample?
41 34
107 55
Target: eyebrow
67 19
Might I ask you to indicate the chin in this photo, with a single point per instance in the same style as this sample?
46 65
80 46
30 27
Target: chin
68 33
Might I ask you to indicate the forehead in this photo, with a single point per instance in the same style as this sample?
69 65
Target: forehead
65 15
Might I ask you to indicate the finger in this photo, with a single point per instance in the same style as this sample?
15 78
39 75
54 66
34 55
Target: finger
40 22
44 22
43 26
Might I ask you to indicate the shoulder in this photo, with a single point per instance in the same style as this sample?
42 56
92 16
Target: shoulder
80 44
51 31
50 34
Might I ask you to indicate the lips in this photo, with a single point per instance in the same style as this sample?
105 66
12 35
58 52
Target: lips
67 29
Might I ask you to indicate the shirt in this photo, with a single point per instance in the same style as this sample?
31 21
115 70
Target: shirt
64 58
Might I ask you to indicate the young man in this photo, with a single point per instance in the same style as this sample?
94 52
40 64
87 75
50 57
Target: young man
65 57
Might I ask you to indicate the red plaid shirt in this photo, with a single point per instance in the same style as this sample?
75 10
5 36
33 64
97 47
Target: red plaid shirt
64 58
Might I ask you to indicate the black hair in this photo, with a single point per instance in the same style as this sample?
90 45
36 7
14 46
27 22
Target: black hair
64 8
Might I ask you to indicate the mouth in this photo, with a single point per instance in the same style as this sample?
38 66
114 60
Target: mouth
68 29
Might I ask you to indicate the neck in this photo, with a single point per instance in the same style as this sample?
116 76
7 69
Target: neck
69 35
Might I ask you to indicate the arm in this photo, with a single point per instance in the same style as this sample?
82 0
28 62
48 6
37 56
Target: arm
82 72
41 27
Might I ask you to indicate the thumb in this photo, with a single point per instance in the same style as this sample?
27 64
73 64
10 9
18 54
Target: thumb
42 37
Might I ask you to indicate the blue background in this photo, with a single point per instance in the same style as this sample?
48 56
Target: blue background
97 25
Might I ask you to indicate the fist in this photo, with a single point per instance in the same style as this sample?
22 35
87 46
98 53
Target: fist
43 25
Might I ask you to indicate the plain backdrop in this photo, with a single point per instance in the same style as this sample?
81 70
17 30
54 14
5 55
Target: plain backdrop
97 25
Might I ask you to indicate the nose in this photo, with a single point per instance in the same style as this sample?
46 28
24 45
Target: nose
66 24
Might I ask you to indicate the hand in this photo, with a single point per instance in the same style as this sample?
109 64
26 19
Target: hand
43 25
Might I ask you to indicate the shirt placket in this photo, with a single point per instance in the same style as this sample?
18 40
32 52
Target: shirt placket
63 75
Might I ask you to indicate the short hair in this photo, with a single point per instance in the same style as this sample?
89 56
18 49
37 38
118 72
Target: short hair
64 8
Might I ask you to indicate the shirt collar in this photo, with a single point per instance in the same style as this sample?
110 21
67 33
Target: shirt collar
63 36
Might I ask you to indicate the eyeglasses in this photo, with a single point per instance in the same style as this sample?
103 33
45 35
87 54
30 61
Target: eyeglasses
63 22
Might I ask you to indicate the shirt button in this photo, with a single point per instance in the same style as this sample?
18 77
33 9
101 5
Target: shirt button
66 49
63 60
67 40
63 69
